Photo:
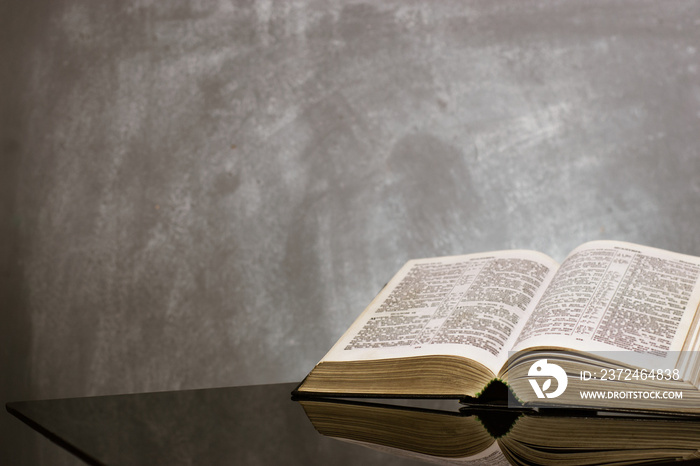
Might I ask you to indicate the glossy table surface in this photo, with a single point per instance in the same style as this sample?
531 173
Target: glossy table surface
256 425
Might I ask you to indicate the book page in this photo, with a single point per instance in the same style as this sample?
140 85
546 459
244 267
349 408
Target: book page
492 456
612 296
472 306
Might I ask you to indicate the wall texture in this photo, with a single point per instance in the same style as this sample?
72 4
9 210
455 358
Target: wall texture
207 193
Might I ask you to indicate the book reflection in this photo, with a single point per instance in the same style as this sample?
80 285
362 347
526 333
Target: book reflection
491 436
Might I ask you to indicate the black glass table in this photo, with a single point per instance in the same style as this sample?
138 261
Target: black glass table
261 425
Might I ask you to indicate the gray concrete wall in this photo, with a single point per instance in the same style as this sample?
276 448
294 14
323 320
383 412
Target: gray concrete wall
207 193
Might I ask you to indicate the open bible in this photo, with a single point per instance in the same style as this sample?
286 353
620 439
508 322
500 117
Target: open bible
615 320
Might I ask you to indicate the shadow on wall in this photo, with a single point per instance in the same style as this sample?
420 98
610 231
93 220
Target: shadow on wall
22 26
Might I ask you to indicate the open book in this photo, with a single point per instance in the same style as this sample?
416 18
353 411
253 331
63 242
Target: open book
615 320
503 437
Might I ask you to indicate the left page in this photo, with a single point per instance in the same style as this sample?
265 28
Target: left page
472 306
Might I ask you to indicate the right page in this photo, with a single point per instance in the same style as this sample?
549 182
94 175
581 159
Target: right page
612 296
